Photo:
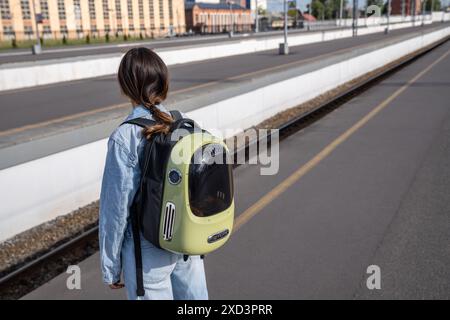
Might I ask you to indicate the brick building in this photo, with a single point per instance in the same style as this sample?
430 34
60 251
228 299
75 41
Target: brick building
77 18
408 10
217 17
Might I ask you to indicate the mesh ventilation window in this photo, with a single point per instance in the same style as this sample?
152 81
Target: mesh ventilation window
210 181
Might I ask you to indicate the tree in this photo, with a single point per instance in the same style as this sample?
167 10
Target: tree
379 3
384 8
292 4
437 6
292 13
262 12
318 9
326 9
333 8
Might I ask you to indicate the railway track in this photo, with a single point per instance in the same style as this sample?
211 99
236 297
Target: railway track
18 280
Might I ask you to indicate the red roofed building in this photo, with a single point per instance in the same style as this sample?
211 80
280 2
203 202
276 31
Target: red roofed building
308 17
217 17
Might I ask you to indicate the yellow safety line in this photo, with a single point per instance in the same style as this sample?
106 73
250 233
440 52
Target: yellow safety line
304 169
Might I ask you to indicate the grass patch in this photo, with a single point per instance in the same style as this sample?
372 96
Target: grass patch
48 43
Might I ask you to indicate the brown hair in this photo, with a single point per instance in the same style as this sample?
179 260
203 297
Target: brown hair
144 78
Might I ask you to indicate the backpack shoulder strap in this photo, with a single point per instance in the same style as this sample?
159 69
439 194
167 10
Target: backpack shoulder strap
140 291
141 122
176 115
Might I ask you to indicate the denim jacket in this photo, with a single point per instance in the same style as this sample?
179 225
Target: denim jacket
120 182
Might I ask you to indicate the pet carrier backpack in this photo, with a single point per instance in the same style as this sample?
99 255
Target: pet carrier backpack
185 201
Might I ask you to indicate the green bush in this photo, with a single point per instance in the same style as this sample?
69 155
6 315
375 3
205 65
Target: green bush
107 37
141 36
88 39
125 37
64 39
14 43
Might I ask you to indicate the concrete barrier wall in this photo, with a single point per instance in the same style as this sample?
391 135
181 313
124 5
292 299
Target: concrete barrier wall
40 190
265 102
417 20
29 74
370 21
373 20
440 16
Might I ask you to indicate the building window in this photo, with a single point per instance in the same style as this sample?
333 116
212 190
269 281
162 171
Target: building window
142 27
92 14
131 27
77 9
44 9
63 29
107 28
28 30
62 10
152 14
8 31
46 29
5 11
94 28
161 12
119 28
171 10
118 10
105 10
141 9
130 9
25 6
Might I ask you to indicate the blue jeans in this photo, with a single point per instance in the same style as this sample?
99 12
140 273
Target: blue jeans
166 275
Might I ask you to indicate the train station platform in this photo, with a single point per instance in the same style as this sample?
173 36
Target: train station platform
365 185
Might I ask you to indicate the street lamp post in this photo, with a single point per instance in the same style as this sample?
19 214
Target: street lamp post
431 10
423 11
355 19
230 34
37 49
340 12
256 16
403 9
283 48
388 17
